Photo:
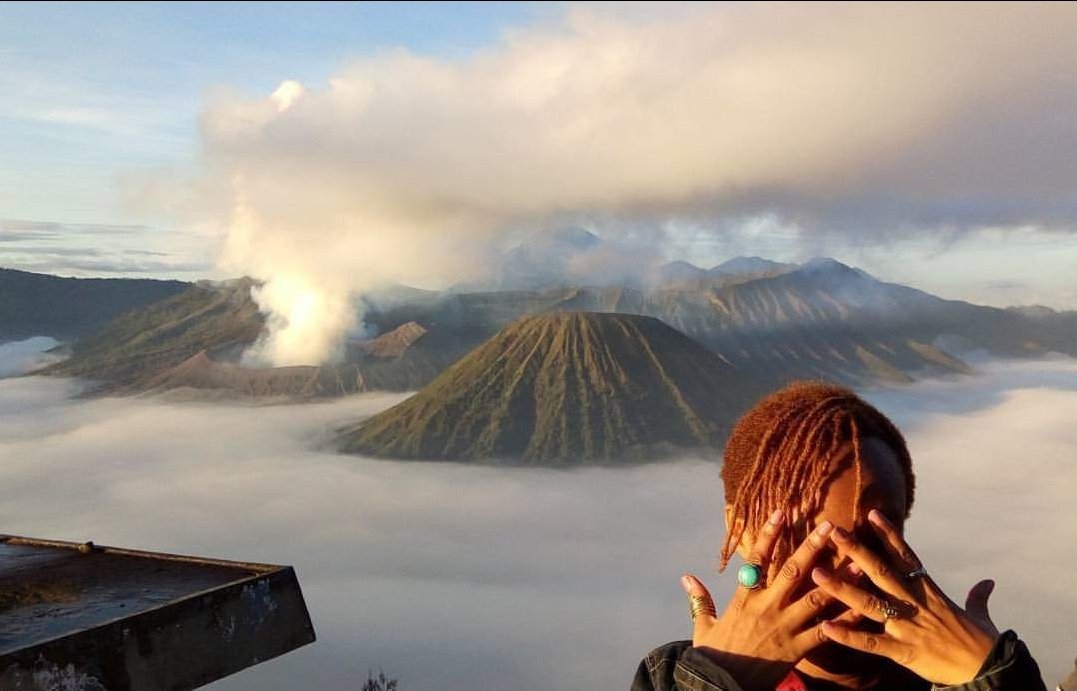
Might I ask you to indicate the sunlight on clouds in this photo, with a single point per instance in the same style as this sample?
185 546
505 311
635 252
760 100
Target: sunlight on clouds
286 94
820 118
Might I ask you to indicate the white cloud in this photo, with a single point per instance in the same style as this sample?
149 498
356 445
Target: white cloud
842 118
451 576
286 94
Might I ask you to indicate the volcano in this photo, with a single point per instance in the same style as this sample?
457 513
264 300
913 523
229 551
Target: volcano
565 388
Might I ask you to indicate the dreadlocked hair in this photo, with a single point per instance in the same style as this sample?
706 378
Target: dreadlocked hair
780 455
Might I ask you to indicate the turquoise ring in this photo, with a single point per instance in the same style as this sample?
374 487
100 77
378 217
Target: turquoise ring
750 576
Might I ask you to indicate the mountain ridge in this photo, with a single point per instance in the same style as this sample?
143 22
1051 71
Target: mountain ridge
36 304
822 320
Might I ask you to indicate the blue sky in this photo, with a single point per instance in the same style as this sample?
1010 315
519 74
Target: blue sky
96 90
99 91
96 94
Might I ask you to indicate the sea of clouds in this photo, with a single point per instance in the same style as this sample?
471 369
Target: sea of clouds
452 577
17 357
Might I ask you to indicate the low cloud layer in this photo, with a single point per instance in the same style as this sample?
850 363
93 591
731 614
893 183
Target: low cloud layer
868 121
451 577
19 357
94 249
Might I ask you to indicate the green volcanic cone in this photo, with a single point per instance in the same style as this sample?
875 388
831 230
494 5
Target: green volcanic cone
562 389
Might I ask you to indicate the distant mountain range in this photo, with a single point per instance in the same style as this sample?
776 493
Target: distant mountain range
736 270
574 256
66 308
764 323
821 319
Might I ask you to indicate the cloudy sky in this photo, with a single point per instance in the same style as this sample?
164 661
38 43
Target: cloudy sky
930 144
452 576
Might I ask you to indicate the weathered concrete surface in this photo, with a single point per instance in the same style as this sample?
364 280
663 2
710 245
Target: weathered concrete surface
83 618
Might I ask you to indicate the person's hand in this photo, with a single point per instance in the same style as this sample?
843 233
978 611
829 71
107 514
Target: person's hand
924 631
764 631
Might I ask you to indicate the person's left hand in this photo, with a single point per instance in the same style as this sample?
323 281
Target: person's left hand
924 630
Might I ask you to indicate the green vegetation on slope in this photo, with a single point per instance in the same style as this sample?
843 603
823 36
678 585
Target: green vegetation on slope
564 388
211 318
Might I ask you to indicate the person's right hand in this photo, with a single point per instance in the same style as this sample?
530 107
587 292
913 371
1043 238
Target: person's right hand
764 631
928 633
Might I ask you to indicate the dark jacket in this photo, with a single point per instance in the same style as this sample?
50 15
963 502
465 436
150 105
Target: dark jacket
678 666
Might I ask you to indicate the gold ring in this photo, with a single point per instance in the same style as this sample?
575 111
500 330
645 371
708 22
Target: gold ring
700 604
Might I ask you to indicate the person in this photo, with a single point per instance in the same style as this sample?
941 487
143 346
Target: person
818 485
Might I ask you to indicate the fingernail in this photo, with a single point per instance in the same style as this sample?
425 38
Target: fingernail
855 569
776 517
686 583
820 576
877 517
824 528
832 630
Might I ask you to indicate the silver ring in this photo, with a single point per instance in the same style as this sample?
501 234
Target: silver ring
915 573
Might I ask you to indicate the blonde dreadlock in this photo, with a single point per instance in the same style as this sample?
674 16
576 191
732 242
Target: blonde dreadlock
780 455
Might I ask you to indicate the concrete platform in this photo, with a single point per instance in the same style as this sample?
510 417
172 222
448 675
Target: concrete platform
82 617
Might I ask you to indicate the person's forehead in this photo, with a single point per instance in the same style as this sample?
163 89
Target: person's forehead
880 459
882 483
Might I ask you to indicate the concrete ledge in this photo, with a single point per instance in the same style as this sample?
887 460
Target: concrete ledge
81 617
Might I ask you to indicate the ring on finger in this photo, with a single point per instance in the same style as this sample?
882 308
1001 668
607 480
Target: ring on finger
918 572
700 604
888 610
750 576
